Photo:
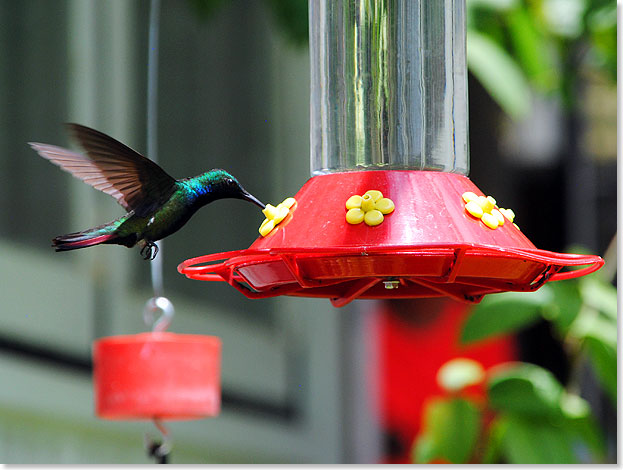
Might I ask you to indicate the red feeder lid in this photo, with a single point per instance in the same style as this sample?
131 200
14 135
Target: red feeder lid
157 375
429 246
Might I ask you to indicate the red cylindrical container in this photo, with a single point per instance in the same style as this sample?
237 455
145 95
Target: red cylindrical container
157 375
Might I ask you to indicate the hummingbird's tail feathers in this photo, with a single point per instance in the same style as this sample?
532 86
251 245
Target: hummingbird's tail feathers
105 233
73 241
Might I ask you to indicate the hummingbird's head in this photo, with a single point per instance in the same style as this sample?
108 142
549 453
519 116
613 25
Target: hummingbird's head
230 187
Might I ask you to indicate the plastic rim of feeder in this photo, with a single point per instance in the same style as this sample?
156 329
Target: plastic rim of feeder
157 375
428 247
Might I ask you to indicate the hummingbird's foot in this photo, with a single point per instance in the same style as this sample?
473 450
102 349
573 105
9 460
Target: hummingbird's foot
149 251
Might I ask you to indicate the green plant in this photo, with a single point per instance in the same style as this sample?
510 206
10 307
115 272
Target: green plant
514 46
290 15
525 415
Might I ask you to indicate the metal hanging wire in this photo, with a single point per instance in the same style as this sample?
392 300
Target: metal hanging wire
152 121
158 312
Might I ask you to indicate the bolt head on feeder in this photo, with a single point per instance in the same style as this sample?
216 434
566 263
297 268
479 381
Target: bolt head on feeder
389 114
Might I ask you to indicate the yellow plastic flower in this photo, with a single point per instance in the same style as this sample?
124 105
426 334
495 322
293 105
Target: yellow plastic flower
370 208
275 215
485 208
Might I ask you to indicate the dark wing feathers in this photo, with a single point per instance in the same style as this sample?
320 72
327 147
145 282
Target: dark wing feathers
136 182
80 167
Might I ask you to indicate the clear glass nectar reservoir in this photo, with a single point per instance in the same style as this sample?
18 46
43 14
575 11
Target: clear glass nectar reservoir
388 85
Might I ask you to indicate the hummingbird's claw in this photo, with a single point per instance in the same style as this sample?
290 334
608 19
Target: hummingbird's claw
149 251
156 249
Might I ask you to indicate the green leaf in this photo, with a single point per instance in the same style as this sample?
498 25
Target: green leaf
499 74
599 295
598 336
451 432
504 313
292 16
587 431
589 324
564 17
459 373
603 357
536 441
496 5
532 49
534 437
486 20
574 407
565 306
424 450
526 389
602 26
495 439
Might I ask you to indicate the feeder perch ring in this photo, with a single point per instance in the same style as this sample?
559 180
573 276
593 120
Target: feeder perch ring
343 275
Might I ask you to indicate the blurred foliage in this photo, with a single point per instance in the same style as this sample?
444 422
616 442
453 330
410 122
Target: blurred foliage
517 45
206 9
527 416
582 311
290 15
452 430
513 46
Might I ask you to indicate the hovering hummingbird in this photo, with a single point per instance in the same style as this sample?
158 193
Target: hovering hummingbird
157 204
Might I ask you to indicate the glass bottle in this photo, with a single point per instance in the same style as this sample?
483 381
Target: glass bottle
388 85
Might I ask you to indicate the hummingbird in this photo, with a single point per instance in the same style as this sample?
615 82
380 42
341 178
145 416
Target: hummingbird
157 204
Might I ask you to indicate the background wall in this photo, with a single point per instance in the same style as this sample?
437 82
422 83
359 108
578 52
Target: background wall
234 94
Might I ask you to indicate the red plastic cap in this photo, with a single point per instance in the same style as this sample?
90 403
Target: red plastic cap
157 375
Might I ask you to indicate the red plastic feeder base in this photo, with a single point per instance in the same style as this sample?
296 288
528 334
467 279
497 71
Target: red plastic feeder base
157 375
428 247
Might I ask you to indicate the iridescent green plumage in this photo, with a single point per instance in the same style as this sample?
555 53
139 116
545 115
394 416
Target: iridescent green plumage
157 204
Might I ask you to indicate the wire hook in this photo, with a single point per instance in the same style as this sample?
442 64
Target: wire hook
162 307
159 450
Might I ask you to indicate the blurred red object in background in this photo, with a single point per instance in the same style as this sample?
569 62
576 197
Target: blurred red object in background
416 337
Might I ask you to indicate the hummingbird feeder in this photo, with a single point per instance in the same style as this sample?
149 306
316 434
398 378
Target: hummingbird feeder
389 211
157 375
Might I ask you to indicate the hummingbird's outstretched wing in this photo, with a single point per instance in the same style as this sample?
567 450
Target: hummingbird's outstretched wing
136 182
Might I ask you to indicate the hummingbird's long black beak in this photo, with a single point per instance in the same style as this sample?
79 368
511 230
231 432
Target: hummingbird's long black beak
251 198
